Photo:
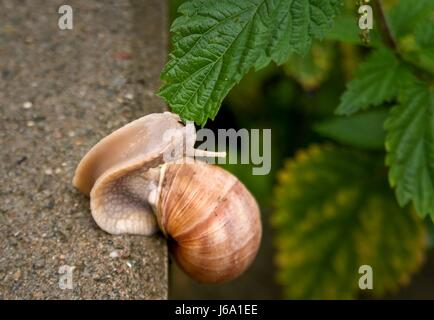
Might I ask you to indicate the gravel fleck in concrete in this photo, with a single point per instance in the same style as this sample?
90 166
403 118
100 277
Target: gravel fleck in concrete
60 92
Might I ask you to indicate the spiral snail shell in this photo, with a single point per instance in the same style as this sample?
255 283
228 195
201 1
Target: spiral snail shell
210 218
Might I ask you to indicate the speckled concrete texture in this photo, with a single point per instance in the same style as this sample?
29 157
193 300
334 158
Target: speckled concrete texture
60 92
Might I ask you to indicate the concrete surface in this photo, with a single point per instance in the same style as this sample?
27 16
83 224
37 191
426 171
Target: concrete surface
60 92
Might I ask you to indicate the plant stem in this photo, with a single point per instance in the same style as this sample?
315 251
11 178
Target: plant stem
390 41
385 31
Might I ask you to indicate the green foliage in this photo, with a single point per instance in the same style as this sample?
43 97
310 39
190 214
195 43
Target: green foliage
419 46
377 80
344 29
335 212
412 22
406 14
335 209
389 76
217 42
364 130
313 68
248 96
410 146
425 51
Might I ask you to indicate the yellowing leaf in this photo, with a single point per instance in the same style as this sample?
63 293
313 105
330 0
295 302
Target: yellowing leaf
313 68
334 212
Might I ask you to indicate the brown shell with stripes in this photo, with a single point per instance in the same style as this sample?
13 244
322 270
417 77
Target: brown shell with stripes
212 220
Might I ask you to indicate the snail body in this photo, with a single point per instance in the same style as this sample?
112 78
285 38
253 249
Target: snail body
210 218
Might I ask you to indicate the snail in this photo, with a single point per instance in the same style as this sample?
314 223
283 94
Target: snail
210 218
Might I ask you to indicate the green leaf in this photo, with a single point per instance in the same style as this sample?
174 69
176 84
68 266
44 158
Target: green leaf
364 130
417 48
410 147
217 42
425 34
377 80
425 41
334 213
406 14
345 29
